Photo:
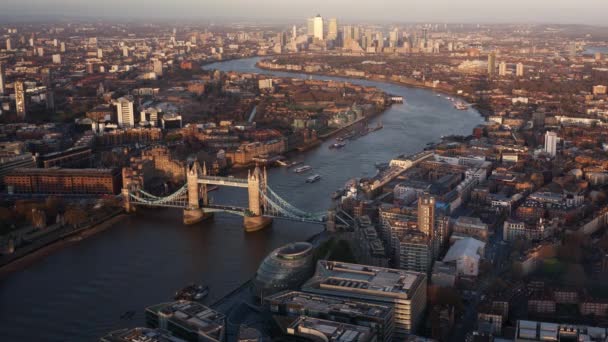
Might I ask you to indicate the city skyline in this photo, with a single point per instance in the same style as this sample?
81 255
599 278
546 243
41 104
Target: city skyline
465 11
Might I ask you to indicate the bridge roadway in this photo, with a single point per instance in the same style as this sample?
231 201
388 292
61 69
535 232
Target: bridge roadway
225 181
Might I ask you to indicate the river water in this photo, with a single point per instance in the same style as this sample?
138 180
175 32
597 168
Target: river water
78 293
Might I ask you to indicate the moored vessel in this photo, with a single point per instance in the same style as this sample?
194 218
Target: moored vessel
302 169
313 178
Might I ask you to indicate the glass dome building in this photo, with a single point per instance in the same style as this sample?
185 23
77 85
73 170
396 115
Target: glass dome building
286 267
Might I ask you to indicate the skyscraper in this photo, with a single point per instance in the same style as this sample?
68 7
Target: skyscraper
551 143
492 63
294 32
310 27
1 78
318 27
519 70
502 69
347 33
332 29
124 111
20 104
9 44
426 214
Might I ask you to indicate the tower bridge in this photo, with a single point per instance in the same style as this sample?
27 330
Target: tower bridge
263 203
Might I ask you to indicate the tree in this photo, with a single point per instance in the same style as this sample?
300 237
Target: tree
75 216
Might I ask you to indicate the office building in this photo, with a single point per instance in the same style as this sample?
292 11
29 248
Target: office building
405 290
171 121
99 53
56 58
140 335
310 27
64 181
473 227
284 268
189 321
315 329
2 80
502 69
551 143
75 157
492 63
413 251
332 29
150 115
125 51
426 214
20 100
9 44
318 27
124 112
378 317
532 331
519 70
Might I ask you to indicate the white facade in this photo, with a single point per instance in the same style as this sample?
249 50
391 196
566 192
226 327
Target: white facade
519 70
318 27
124 111
551 143
466 254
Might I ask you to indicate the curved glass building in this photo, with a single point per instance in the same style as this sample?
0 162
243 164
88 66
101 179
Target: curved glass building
286 267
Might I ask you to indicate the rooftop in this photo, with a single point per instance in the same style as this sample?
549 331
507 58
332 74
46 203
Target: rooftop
332 331
191 315
367 280
328 304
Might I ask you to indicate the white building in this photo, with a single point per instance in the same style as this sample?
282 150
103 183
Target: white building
124 111
502 69
519 70
551 143
466 254
56 58
318 27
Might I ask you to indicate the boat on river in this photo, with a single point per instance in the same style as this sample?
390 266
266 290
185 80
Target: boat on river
302 169
313 178
192 292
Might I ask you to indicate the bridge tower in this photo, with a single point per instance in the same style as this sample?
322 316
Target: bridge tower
256 183
194 213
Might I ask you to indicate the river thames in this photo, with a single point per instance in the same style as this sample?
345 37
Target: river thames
79 292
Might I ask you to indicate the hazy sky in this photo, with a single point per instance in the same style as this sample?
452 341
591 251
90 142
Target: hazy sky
485 11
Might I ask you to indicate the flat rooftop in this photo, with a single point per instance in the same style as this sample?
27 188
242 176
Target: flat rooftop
333 331
329 304
195 316
365 279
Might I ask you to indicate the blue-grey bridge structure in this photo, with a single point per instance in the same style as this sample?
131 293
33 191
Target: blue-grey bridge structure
193 198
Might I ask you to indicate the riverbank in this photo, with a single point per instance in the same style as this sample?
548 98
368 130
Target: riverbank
29 254
483 112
